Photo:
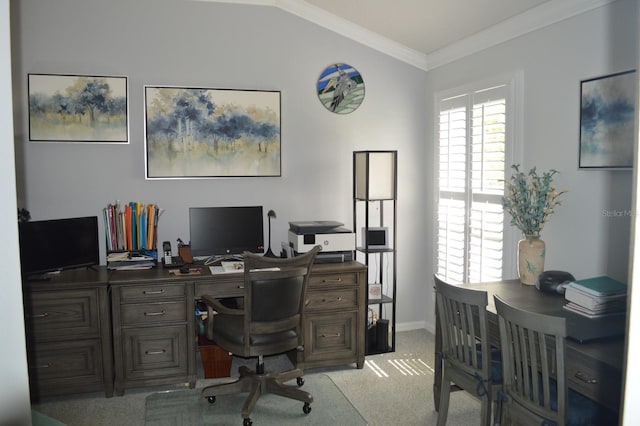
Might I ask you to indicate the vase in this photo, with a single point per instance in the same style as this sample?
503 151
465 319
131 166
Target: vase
531 252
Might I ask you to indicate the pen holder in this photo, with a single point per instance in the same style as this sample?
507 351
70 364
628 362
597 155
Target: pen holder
185 254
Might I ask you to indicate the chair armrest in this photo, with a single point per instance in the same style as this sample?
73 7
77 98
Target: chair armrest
219 307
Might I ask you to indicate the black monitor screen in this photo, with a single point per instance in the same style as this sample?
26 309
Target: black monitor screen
224 231
53 245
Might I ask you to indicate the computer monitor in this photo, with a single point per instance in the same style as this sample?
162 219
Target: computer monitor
219 233
54 245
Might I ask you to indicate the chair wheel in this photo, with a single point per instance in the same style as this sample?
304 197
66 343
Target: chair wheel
247 422
300 381
306 408
211 399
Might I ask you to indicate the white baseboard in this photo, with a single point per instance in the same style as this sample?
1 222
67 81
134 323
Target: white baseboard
415 325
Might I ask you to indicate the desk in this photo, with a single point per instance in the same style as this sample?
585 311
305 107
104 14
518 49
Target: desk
153 321
594 369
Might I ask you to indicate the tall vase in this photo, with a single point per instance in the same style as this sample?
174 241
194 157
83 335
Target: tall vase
531 252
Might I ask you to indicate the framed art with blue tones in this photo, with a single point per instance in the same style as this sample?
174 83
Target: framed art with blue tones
607 120
198 132
340 88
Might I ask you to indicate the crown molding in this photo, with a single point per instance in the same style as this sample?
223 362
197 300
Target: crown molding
534 19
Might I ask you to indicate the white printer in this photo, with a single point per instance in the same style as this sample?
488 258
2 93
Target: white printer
337 242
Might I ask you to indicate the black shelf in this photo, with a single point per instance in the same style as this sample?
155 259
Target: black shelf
374 207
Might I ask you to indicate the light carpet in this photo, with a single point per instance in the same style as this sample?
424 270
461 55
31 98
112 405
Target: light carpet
188 407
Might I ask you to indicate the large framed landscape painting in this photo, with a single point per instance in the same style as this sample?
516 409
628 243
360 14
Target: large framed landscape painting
193 133
607 120
78 108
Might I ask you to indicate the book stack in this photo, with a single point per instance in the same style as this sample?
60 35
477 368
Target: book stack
132 226
596 297
128 261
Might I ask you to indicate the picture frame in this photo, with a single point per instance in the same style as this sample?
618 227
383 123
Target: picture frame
607 120
78 108
199 132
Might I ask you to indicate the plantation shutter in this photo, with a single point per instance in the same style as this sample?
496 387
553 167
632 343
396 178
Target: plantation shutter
472 136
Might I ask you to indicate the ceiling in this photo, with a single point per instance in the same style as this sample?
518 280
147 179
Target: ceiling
430 33
426 25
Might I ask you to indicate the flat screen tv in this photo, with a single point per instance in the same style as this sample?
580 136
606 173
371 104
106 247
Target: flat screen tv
54 245
219 233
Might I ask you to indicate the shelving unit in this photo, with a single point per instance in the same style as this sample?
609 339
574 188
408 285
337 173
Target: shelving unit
374 215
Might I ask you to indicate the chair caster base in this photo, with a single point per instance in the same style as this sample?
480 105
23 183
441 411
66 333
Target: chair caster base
306 408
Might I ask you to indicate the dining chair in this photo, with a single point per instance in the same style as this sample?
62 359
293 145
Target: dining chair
534 383
467 359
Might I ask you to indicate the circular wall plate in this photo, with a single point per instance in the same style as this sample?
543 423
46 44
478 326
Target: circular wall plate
340 88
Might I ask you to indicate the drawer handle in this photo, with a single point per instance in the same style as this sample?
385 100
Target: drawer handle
43 366
155 352
589 380
240 287
337 299
44 315
332 335
153 314
153 292
335 280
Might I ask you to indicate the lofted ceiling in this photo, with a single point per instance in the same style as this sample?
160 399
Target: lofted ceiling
429 33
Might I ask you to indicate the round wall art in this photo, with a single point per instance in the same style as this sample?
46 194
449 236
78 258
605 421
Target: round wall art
340 88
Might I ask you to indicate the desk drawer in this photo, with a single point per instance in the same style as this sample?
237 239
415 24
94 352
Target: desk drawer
222 289
152 292
336 299
71 313
68 366
322 280
595 380
330 336
155 352
153 313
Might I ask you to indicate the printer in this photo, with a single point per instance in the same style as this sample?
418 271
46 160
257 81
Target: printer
337 242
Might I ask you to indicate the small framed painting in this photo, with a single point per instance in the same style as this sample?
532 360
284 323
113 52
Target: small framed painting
78 108
195 133
607 120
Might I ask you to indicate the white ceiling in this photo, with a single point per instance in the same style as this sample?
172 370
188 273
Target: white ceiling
426 25
430 33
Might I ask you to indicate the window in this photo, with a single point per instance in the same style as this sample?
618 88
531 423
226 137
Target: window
473 153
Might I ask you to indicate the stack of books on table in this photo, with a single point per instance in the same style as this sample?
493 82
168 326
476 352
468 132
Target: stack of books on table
596 297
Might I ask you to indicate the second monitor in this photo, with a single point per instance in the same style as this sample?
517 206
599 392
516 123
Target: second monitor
219 233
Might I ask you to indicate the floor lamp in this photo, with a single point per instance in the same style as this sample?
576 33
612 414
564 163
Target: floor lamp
269 253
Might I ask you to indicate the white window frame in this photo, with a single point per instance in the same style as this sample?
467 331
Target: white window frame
513 155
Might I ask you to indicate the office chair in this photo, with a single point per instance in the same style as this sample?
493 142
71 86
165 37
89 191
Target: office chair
269 323
539 396
467 359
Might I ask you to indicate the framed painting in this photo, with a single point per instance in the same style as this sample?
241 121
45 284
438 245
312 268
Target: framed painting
607 114
78 108
193 133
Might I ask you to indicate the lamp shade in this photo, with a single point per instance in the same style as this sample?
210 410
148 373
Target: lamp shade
375 175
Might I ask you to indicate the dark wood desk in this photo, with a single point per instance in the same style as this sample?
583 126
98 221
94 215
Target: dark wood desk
594 369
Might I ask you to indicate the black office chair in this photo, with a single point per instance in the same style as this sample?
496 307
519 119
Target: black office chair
467 359
269 323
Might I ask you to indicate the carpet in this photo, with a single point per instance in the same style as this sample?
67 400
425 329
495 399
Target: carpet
187 408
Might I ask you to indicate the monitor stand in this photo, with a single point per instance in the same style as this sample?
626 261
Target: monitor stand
216 259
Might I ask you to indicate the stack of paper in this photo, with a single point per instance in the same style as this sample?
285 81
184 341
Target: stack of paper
596 297
122 261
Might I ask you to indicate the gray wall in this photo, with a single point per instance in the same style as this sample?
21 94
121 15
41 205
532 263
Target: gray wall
14 392
219 45
580 237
